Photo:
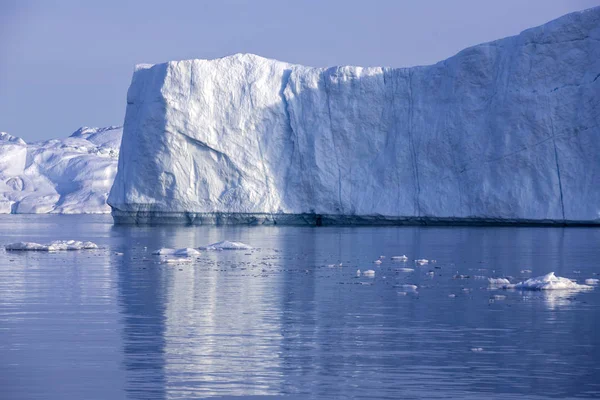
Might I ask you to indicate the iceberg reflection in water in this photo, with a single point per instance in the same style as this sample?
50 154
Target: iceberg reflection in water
287 318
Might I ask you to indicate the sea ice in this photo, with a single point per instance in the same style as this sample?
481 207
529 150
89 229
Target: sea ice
402 258
227 245
57 245
591 281
184 252
370 273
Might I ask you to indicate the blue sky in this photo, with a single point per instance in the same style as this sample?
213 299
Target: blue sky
64 64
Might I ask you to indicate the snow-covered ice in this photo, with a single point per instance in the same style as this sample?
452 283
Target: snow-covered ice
227 245
369 273
406 269
422 261
591 281
57 245
64 176
402 258
501 132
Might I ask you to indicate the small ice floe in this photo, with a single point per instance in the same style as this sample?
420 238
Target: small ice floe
452 295
576 272
227 245
498 297
461 276
358 272
591 281
334 265
430 273
402 293
500 283
525 271
381 257
57 245
479 277
402 258
409 287
370 273
406 269
184 252
422 261
477 349
544 282
377 262
118 253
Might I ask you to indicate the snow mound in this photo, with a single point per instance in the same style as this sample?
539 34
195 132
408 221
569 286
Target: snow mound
227 245
503 132
57 245
64 176
184 252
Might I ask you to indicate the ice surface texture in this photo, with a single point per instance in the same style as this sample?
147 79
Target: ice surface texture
65 176
503 132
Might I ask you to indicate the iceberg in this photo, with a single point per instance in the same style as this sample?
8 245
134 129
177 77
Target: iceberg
504 132
544 282
63 176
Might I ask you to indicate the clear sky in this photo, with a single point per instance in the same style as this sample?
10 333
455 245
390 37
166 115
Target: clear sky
65 64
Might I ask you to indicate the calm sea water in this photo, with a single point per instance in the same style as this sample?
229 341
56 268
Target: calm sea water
279 321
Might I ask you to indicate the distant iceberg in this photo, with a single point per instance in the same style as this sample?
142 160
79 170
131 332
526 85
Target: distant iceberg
503 132
62 176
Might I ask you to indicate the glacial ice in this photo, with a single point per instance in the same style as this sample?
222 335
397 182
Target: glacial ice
502 132
64 176
57 245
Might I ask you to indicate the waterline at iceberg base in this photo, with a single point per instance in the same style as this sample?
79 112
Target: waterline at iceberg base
506 132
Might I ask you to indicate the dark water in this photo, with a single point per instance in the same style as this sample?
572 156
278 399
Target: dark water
280 321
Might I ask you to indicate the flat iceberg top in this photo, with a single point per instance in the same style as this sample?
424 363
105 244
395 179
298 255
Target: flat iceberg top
502 132
57 245
227 245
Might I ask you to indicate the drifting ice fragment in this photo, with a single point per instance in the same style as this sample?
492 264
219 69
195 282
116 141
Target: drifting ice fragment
185 252
422 261
400 258
57 245
227 245
370 273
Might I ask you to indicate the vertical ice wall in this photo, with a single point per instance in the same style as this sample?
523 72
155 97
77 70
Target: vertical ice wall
503 131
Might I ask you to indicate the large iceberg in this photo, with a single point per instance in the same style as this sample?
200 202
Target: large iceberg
64 176
503 132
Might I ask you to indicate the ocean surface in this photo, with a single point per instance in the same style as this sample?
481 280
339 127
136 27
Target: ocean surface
286 320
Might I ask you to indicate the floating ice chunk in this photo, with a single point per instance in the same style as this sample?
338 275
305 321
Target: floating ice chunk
176 260
430 273
477 349
370 273
498 297
402 258
499 282
358 272
118 253
422 261
184 252
525 271
549 282
377 262
591 281
452 295
406 269
381 257
409 287
57 245
227 245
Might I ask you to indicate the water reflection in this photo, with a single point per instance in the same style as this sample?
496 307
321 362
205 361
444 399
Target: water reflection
281 321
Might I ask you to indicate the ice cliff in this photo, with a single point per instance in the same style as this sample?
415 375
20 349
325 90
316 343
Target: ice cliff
64 176
503 132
